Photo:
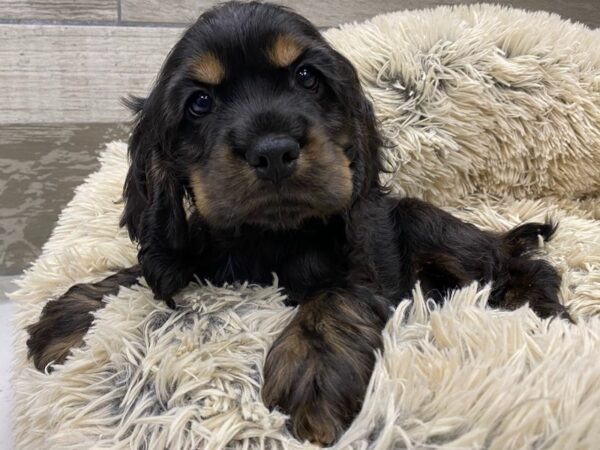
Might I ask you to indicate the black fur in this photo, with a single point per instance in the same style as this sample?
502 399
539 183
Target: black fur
344 249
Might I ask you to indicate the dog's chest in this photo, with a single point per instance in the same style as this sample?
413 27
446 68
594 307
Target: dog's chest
301 260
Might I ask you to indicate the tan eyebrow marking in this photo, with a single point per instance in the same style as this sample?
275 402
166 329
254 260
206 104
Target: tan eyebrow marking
284 51
208 69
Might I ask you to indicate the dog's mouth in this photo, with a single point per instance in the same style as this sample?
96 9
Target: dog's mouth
282 211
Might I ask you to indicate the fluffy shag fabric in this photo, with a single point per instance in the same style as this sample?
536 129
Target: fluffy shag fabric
491 113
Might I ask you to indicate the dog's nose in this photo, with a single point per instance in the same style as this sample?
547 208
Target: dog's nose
274 157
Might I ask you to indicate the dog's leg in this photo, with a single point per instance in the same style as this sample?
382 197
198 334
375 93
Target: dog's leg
446 253
64 322
318 369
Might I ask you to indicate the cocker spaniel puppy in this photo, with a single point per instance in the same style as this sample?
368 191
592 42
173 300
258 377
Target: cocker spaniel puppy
257 152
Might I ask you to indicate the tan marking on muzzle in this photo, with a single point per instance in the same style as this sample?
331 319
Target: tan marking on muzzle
200 199
325 155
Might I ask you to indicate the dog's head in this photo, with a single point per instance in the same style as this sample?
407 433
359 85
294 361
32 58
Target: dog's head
257 120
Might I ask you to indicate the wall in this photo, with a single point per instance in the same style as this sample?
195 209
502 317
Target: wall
72 60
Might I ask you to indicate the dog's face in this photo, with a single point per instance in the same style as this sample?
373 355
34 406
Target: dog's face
258 120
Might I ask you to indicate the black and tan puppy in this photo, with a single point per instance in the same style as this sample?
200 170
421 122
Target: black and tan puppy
258 152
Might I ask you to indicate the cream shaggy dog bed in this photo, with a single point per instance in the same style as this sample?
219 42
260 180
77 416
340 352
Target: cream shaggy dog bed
492 113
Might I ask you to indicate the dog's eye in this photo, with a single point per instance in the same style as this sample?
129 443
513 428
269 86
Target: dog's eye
307 78
200 104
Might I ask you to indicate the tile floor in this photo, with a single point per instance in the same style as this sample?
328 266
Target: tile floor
40 166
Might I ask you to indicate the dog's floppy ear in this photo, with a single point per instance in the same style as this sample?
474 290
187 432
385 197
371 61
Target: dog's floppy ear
135 193
153 192
364 115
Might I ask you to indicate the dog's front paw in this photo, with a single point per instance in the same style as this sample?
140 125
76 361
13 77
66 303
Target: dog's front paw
64 322
318 369
61 327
